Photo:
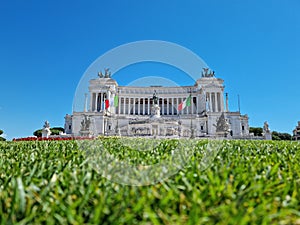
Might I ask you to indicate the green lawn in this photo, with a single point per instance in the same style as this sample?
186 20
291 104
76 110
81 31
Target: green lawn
249 182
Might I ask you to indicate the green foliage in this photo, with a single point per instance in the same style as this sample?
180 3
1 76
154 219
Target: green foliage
2 138
281 136
249 182
256 130
38 133
54 131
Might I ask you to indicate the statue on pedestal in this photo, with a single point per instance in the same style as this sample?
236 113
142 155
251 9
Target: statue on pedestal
266 128
155 98
222 127
46 130
266 131
85 123
85 127
155 108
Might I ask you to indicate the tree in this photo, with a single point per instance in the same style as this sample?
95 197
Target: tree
57 130
256 130
2 138
54 131
38 133
275 136
281 136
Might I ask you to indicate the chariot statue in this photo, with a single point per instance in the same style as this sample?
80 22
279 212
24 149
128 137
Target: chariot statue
208 73
100 74
107 73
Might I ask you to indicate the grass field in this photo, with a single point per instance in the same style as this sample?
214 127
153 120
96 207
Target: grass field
249 182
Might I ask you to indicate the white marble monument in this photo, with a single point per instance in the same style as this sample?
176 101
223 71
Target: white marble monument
136 111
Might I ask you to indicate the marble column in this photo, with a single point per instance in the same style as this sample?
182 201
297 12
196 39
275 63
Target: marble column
216 102
172 100
133 106
129 101
222 101
148 106
143 106
97 96
101 100
177 103
124 105
119 105
162 106
219 101
91 102
139 106
210 103
168 106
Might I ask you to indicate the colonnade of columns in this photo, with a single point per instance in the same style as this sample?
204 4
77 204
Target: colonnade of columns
142 106
97 101
168 106
215 100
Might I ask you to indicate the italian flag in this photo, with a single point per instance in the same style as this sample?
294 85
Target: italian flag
106 103
185 103
114 101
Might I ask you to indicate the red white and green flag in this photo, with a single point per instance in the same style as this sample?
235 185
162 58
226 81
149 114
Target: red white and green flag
113 101
116 101
106 103
185 103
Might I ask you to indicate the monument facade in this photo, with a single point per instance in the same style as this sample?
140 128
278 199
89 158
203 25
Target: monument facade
296 132
184 111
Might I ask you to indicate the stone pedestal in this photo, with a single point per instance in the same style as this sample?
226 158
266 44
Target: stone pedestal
86 133
118 132
266 131
155 111
221 134
268 136
46 132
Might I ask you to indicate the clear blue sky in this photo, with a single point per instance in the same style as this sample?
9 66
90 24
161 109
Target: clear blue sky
46 46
